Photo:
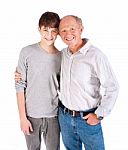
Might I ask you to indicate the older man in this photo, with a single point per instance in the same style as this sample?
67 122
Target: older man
85 70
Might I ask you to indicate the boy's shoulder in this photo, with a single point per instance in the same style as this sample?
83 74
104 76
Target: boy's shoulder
30 46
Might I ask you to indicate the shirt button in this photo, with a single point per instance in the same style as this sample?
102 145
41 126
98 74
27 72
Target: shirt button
71 57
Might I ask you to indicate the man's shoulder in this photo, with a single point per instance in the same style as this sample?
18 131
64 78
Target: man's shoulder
96 53
95 50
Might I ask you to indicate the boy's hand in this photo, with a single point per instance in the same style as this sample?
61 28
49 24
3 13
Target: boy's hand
26 127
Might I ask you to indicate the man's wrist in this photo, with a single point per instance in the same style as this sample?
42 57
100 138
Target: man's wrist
100 118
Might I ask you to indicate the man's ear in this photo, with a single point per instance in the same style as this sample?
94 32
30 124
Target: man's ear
82 28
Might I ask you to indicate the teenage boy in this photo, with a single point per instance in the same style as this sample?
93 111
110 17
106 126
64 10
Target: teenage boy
37 97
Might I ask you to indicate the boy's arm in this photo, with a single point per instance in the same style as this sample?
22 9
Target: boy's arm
20 86
21 105
26 126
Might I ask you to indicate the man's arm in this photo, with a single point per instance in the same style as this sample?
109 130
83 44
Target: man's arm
17 76
109 87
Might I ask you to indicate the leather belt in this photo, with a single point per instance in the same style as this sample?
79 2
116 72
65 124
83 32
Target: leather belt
76 113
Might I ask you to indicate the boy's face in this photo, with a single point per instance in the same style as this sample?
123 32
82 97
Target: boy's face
48 35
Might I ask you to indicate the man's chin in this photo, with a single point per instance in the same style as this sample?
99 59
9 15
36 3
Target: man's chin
69 43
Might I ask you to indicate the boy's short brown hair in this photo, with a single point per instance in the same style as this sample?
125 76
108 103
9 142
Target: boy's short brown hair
49 19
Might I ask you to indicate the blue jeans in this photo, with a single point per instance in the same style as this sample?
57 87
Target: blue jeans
76 131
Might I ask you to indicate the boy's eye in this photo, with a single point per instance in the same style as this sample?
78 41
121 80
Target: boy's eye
55 31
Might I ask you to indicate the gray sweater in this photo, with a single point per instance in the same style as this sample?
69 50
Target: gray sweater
40 73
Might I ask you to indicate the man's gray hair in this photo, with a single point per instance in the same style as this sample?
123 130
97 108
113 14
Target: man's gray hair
79 20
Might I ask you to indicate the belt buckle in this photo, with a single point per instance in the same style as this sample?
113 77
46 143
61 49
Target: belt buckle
73 113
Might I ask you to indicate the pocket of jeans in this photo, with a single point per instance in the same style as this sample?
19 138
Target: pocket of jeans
92 125
94 129
85 121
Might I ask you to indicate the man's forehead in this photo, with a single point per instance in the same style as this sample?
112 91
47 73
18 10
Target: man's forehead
67 19
68 24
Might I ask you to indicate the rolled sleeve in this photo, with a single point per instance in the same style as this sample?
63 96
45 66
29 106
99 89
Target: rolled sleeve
22 68
20 86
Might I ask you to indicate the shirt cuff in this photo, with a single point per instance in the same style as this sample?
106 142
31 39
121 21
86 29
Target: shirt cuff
100 111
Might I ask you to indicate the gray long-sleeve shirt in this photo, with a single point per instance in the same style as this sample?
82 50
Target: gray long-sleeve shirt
40 71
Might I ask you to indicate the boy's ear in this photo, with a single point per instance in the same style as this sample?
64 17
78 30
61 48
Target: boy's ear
39 29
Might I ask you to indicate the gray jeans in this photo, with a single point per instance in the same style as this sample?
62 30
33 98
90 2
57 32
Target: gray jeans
49 127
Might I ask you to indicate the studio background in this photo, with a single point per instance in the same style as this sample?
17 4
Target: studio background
106 25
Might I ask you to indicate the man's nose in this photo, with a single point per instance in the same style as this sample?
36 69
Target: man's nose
68 32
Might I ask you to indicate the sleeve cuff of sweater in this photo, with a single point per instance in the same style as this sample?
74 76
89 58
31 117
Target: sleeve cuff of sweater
20 86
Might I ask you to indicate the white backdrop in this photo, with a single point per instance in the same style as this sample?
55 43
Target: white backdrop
106 25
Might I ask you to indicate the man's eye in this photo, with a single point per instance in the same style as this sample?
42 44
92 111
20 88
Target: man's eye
63 31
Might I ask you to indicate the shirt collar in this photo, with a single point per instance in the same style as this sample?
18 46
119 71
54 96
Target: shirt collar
83 49
86 47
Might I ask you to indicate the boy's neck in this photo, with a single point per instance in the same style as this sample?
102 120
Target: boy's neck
48 48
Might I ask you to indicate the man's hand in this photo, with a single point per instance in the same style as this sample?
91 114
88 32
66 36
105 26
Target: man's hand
26 126
17 76
91 119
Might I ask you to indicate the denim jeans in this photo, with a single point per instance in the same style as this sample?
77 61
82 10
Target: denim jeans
75 132
50 129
